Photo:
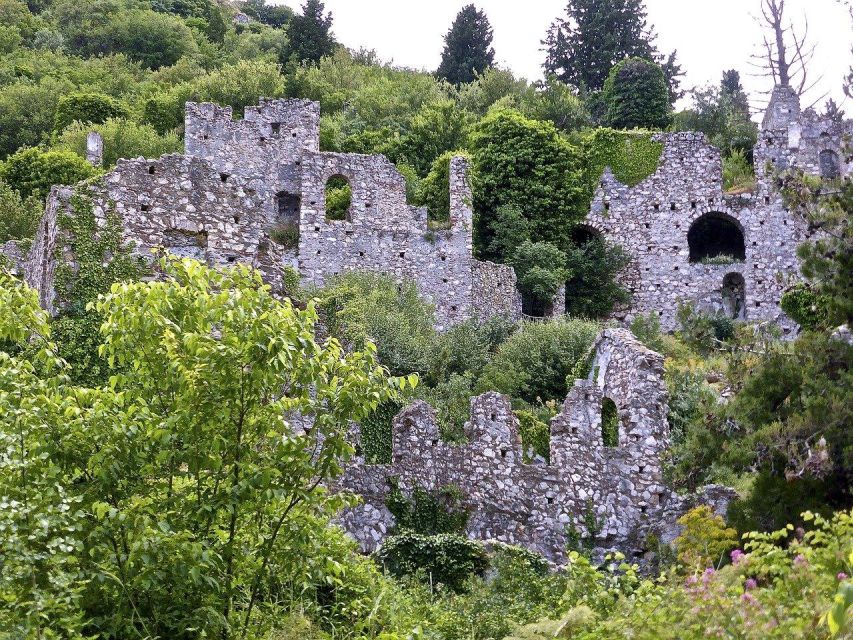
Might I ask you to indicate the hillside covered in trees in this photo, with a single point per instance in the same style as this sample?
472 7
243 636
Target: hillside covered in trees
154 480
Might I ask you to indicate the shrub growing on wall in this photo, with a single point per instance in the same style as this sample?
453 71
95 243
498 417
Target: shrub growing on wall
535 361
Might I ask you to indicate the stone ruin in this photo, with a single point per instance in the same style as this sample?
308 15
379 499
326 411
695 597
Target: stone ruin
532 505
242 181
729 253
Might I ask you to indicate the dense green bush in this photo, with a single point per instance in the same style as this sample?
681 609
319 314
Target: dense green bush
536 360
738 174
122 139
87 108
805 307
445 559
32 172
540 271
27 110
362 306
525 163
636 95
593 289
434 191
19 217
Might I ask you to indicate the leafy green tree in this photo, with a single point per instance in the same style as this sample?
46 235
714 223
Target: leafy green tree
527 164
584 45
216 27
468 48
722 114
311 33
27 110
32 172
270 14
94 108
535 362
593 289
19 217
186 461
509 230
122 139
636 96
540 268
437 127
557 102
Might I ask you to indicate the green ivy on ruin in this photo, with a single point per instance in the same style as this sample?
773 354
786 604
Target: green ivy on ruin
632 155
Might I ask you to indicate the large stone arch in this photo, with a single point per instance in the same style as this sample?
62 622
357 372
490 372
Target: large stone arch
715 234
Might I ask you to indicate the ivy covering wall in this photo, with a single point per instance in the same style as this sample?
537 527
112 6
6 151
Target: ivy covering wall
632 155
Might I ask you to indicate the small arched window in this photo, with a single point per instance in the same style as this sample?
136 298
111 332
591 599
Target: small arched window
338 199
609 423
716 238
830 165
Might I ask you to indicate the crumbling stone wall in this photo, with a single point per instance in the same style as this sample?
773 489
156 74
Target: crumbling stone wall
652 220
177 202
532 504
11 257
240 180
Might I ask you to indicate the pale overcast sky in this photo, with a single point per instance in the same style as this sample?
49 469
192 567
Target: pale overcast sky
710 35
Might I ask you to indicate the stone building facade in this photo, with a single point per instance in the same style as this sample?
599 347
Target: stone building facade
692 242
533 504
240 183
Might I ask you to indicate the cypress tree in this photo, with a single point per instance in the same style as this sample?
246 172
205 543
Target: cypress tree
467 47
311 33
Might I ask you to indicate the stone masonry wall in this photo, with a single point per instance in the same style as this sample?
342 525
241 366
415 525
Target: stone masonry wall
528 504
222 201
652 220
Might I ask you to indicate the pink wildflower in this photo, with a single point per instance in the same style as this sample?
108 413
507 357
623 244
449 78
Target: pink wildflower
842 576
748 598
800 561
750 584
737 555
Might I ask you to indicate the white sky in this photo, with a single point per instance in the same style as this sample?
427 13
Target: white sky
710 35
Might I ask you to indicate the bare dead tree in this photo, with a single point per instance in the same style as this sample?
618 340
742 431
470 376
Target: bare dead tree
786 53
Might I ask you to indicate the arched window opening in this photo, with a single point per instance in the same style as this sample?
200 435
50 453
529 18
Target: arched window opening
609 423
734 296
285 231
830 165
338 199
583 234
716 239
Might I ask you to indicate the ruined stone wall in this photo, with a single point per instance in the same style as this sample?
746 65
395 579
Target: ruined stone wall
177 202
793 138
11 257
224 200
529 504
653 219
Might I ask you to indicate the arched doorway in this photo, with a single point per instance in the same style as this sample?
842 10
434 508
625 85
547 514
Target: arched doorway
830 164
716 237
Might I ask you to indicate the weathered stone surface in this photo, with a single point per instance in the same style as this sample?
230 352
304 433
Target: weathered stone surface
529 504
653 219
241 180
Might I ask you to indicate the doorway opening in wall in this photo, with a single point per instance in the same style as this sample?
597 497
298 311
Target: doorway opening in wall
532 308
830 165
716 238
285 230
609 423
734 296
338 199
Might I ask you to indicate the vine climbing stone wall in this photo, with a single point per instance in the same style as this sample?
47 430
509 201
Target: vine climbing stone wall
533 504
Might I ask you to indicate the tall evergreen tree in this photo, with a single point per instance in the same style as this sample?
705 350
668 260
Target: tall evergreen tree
582 47
732 90
467 47
311 33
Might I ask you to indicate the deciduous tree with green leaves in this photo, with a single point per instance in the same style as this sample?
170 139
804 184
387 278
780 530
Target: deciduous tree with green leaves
191 495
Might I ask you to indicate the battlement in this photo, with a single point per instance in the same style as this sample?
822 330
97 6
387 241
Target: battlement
531 504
